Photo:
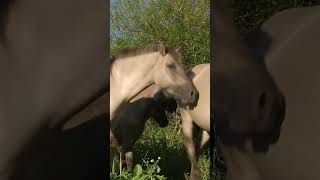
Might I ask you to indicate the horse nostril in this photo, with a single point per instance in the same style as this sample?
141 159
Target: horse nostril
194 94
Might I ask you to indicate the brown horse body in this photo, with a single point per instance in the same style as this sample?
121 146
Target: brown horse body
131 120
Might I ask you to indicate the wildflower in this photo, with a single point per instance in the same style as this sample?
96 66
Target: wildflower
159 158
151 160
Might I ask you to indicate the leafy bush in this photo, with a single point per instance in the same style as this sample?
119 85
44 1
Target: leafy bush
181 24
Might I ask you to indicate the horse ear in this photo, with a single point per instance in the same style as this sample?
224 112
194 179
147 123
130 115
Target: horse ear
178 50
163 50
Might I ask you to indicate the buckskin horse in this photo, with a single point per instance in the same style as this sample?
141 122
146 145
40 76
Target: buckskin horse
288 42
133 70
52 63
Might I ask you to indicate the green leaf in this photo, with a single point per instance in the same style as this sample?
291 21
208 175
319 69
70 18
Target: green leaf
137 171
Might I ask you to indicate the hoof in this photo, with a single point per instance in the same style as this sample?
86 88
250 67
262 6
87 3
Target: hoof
126 166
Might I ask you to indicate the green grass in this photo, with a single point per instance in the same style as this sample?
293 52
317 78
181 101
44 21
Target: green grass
161 155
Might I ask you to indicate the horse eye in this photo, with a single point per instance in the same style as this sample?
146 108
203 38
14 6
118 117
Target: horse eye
171 66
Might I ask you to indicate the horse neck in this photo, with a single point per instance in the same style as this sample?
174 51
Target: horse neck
129 77
134 74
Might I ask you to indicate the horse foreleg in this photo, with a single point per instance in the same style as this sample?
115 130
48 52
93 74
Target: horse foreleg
204 140
129 156
187 127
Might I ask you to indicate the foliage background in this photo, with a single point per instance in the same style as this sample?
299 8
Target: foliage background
181 24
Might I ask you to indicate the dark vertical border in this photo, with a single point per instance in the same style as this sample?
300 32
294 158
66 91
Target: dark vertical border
212 165
108 86
213 141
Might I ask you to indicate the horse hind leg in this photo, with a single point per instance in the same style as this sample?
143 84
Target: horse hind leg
128 157
129 160
190 145
200 139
